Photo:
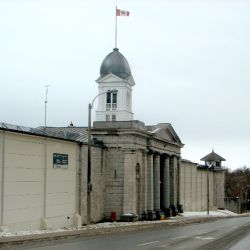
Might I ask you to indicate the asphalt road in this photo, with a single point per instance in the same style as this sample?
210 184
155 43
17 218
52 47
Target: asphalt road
229 233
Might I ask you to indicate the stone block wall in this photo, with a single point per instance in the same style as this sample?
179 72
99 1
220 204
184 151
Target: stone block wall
193 187
98 168
219 184
114 182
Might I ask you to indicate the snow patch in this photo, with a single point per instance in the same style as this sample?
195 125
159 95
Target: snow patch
211 213
120 224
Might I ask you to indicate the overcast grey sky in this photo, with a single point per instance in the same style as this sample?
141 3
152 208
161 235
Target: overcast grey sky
190 61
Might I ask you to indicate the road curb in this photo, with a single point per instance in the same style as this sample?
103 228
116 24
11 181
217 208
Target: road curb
84 232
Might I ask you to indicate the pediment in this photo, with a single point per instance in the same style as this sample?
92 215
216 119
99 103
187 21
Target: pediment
113 78
110 78
165 131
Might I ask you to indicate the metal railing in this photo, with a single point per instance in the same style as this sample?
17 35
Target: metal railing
111 106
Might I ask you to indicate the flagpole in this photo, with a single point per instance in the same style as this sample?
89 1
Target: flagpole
115 27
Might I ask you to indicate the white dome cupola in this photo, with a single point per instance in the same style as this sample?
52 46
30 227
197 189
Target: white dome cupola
115 74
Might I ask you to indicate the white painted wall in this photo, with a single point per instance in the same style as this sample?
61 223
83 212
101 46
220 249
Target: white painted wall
32 189
61 198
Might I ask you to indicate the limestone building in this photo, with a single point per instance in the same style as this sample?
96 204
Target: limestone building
145 171
141 158
135 168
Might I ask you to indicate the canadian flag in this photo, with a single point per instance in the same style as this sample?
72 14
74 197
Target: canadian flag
122 12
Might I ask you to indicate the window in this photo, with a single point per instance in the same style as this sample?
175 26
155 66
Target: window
111 101
113 118
114 97
108 102
107 118
114 101
108 97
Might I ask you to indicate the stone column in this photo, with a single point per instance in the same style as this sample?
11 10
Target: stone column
157 193
129 189
150 183
166 183
173 182
179 180
145 182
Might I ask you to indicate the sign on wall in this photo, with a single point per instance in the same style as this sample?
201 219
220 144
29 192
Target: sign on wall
60 160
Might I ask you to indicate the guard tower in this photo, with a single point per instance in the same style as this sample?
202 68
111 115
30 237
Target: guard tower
213 165
213 160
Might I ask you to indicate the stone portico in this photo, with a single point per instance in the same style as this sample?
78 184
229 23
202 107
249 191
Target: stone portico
142 166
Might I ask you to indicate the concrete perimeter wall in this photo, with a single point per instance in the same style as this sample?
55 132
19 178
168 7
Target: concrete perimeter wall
219 189
193 188
37 194
31 188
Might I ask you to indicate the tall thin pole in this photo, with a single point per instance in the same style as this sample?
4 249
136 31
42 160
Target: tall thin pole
207 190
115 26
89 185
45 103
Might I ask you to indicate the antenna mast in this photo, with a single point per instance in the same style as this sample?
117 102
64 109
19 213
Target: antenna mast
45 103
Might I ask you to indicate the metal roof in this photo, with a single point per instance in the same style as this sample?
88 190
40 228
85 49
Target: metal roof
213 157
79 134
116 64
72 133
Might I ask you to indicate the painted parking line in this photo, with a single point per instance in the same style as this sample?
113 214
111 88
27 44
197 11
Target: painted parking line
204 238
179 237
147 243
